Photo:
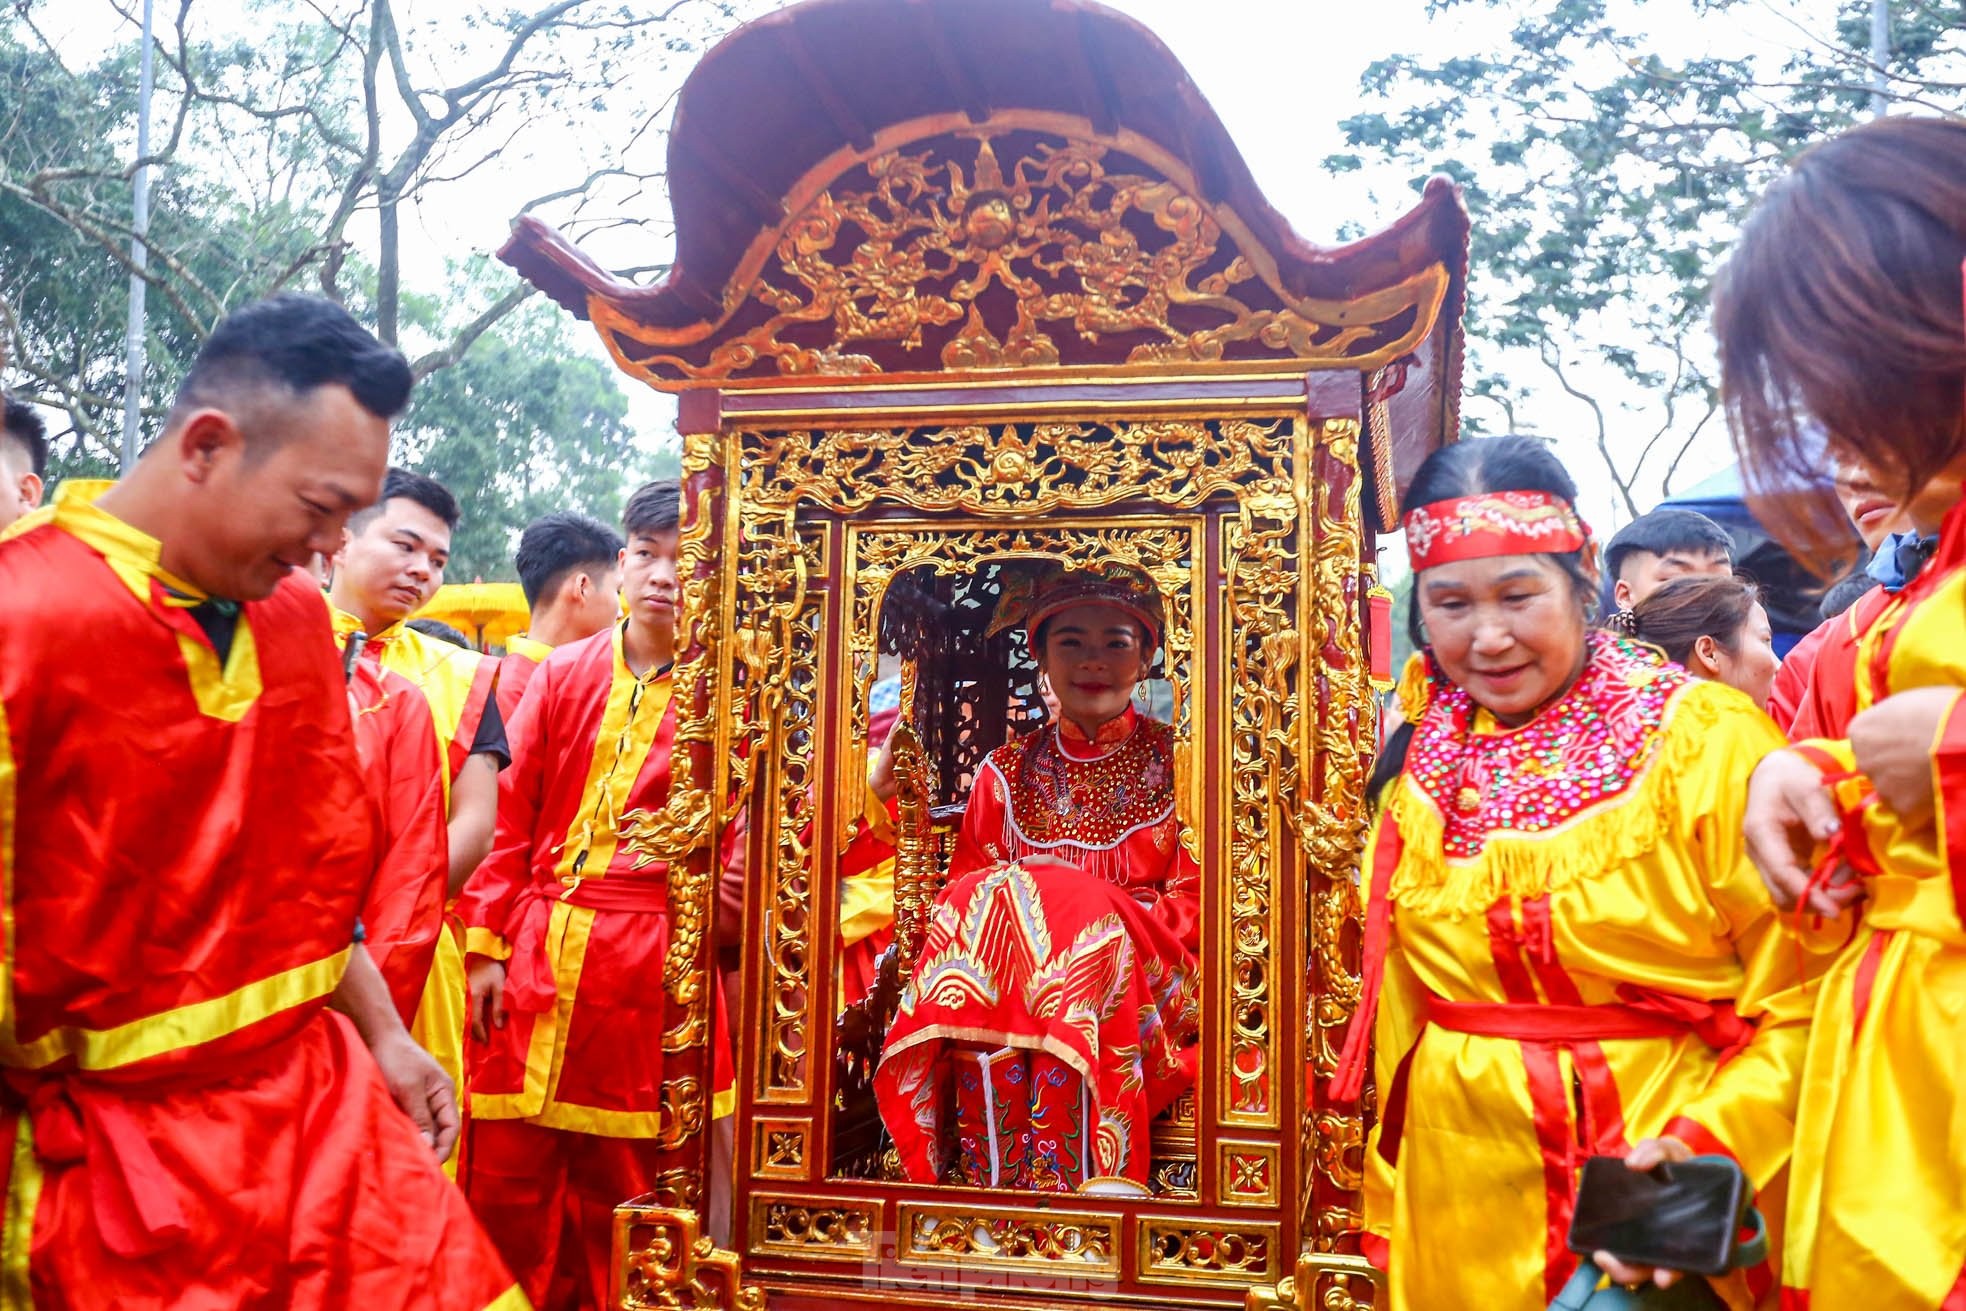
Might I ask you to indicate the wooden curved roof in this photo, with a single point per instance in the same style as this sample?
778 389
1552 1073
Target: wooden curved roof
817 98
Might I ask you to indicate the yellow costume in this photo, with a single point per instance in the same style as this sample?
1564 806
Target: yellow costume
1573 954
1877 1209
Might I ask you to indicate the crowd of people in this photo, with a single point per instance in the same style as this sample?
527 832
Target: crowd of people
332 946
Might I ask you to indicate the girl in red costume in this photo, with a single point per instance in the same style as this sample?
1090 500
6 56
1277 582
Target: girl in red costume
1055 1007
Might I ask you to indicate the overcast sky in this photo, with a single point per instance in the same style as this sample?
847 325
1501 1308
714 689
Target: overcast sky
1280 73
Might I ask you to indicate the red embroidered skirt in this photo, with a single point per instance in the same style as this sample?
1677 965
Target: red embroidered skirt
1044 957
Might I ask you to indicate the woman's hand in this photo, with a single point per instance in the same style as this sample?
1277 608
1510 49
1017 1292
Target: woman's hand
1893 744
1647 1155
1789 815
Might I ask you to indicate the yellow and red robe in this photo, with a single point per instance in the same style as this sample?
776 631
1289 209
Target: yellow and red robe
1877 1216
572 900
458 685
1068 930
1570 952
185 842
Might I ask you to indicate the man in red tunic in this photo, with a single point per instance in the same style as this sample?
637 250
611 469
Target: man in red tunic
570 568
566 928
205 1082
391 563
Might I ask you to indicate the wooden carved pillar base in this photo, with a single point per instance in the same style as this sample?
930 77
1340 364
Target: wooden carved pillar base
663 1263
1325 1281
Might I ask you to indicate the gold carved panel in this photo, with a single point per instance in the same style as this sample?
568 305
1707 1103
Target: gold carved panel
818 1229
781 1149
1020 469
1033 1238
1246 1173
1208 1252
1026 244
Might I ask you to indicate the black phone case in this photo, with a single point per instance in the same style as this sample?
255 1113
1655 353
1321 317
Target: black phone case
1683 1216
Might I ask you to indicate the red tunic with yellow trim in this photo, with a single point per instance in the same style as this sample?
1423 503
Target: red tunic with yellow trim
1570 952
515 670
458 686
574 903
184 844
403 915
1069 925
1877 1216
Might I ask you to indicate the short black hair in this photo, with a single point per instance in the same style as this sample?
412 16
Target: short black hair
1663 531
1846 594
26 430
440 630
300 343
656 507
555 546
401 483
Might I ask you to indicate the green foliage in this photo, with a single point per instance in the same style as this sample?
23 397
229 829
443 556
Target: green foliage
520 427
1606 176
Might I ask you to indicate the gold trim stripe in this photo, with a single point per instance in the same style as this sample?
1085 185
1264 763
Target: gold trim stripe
17 1227
187 1026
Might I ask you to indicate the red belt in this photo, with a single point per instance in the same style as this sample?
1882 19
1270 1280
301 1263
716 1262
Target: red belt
1648 1014
1540 1023
529 984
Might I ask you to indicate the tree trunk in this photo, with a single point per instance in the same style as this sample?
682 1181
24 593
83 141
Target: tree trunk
388 272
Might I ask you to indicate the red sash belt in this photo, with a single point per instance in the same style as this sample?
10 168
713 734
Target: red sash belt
80 1120
1554 1023
1645 1014
529 984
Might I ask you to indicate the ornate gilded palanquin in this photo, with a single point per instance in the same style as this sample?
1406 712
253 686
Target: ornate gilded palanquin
962 284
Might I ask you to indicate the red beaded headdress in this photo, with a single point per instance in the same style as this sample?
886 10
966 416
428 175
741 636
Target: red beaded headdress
1028 600
1491 524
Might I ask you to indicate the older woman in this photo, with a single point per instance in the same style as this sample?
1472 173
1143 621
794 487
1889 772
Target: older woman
1055 1006
1567 949
1712 627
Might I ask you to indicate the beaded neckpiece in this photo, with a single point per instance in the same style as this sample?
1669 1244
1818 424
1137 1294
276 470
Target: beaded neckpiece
1057 799
1586 748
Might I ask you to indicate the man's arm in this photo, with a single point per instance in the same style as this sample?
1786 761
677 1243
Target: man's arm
474 814
415 1080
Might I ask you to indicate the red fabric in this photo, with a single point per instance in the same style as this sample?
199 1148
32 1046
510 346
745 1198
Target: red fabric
1376 1249
1866 979
1829 702
1545 1022
1792 679
1489 524
863 853
1795 1299
611 1042
164 857
404 910
1956 1299
1148 863
1949 770
480 695
514 673
296 1182
1349 1079
1097 915
547 1197
1698 1137
1549 1099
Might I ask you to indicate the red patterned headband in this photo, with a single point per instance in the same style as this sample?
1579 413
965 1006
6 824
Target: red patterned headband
1491 524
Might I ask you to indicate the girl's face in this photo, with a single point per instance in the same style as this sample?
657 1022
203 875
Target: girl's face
1508 629
1751 665
1093 656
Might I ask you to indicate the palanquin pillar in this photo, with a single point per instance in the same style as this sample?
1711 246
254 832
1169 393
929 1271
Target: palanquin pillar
961 283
